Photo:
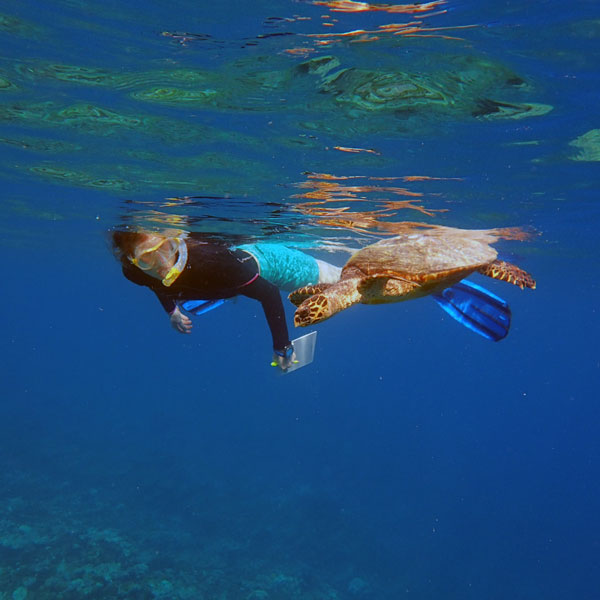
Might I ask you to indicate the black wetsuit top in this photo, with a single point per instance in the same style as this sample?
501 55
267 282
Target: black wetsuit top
212 272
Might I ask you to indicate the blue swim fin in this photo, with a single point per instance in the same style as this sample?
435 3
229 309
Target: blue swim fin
199 307
476 308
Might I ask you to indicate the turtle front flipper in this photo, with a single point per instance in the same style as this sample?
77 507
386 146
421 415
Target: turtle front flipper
297 297
505 271
327 302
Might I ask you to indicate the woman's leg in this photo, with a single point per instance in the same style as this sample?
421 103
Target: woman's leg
288 268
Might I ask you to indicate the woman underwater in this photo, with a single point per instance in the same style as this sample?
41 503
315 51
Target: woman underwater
180 266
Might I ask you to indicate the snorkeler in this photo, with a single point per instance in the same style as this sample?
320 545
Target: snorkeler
180 266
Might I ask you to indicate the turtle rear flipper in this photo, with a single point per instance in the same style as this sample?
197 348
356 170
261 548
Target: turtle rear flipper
505 271
297 297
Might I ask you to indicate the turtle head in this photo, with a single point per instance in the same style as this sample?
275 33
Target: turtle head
327 300
313 310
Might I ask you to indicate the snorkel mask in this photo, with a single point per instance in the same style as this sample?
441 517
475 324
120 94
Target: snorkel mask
156 254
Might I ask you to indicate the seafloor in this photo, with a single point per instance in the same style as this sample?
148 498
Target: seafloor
206 549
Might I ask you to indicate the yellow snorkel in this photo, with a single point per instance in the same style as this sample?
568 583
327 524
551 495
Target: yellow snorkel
176 270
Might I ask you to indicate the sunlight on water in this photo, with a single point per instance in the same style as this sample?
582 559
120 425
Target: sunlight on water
278 103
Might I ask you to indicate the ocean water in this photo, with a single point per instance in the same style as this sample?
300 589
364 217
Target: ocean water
412 459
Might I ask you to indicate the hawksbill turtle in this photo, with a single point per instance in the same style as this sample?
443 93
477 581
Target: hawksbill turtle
411 265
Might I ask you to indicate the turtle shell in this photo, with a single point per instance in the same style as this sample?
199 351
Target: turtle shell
424 255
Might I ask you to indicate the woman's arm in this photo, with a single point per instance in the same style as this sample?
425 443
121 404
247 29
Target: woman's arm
270 298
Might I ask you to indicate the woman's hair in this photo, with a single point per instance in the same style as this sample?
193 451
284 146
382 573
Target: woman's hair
124 243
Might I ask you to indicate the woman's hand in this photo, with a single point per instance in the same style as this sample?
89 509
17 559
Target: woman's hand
284 358
180 322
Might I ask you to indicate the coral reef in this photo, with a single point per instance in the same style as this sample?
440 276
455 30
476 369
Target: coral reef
75 543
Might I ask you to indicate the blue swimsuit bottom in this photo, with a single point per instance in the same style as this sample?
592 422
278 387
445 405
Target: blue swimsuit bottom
284 267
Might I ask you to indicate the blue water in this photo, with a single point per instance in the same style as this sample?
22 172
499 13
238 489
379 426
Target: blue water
412 458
